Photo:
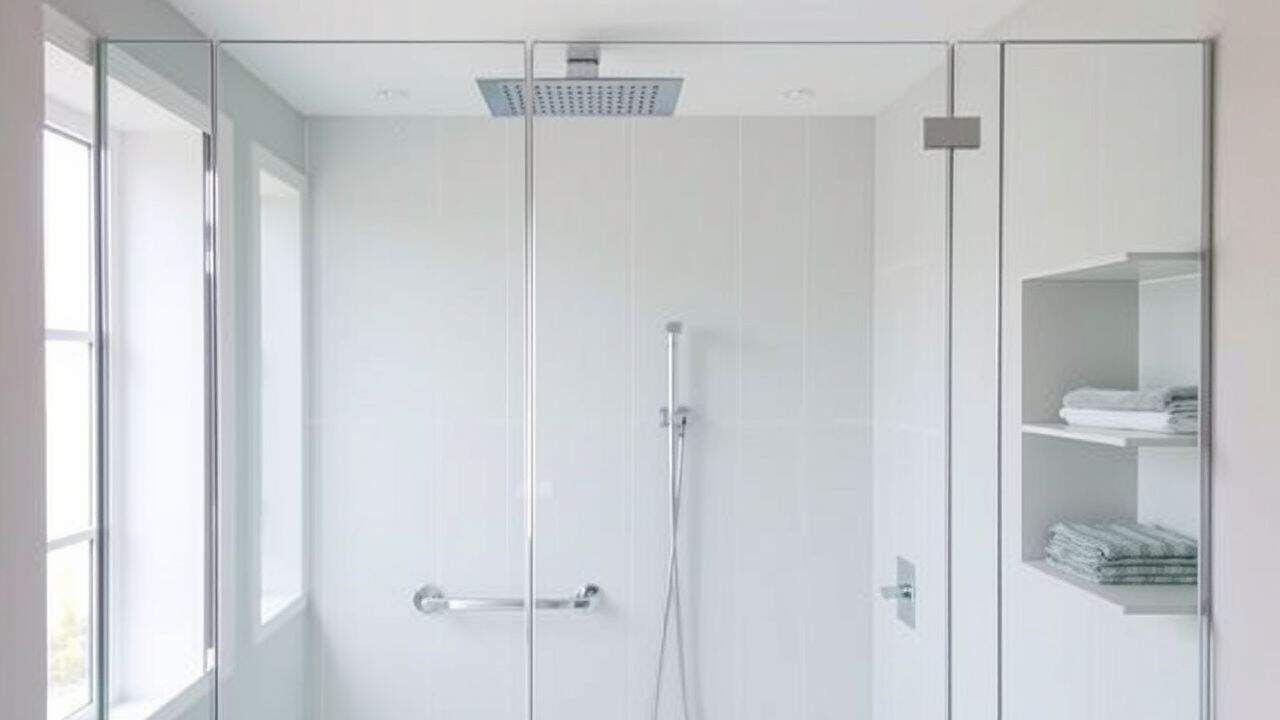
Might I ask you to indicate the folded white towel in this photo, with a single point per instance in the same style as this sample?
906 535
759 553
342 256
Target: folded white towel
1168 422
1153 399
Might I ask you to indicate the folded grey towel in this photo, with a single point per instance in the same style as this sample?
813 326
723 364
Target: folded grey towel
1121 541
1091 575
1123 570
1153 399
1148 420
1067 552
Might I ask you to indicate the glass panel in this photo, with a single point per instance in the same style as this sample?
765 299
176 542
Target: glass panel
280 300
68 207
157 109
975 353
787 215
1104 202
396 313
70 577
69 427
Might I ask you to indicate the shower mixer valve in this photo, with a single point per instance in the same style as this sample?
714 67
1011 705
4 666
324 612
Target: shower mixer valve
664 415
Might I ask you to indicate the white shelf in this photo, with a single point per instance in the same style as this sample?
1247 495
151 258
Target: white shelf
1109 436
1128 599
1130 266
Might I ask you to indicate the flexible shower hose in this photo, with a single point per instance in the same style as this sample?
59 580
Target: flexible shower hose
673 588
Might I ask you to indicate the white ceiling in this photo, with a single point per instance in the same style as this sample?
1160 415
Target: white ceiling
439 80
595 19
719 80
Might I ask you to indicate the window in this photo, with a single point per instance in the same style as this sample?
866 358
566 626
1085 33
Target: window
281 373
71 436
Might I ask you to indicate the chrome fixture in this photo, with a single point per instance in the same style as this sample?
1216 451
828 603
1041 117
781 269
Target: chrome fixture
903 593
431 600
897 592
583 93
675 422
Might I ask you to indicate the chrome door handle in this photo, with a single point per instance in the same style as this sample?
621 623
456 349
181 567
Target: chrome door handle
897 592
903 594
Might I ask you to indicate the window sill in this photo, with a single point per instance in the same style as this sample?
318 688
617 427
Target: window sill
161 708
276 612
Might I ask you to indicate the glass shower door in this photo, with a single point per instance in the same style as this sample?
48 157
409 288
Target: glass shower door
740 338
728 304
372 280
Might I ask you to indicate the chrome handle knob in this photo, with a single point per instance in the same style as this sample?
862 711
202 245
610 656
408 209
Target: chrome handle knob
897 592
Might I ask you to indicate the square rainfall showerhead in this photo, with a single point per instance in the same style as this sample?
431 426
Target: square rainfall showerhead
584 97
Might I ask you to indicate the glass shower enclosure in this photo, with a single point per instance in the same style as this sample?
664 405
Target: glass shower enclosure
677 396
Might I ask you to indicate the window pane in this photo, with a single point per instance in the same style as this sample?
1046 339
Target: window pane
156 344
70 596
280 213
67 213
68 393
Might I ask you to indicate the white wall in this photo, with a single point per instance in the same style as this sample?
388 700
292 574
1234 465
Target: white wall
755 232
1247 352
417 237
1098 19
22 516
1246 343
1086 175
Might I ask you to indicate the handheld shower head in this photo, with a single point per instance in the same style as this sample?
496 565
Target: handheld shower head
675 327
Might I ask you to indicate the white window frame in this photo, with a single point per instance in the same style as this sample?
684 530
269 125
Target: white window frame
262 160
67 35
76 128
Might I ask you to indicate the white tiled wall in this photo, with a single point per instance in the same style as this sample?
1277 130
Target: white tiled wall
758 234
417 327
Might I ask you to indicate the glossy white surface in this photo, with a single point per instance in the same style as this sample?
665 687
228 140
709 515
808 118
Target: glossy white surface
766 255
1089 176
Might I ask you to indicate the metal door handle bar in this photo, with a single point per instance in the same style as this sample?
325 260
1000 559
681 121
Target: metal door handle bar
897 592
431 600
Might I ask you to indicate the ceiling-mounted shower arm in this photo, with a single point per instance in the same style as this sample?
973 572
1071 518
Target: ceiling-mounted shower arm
582 61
